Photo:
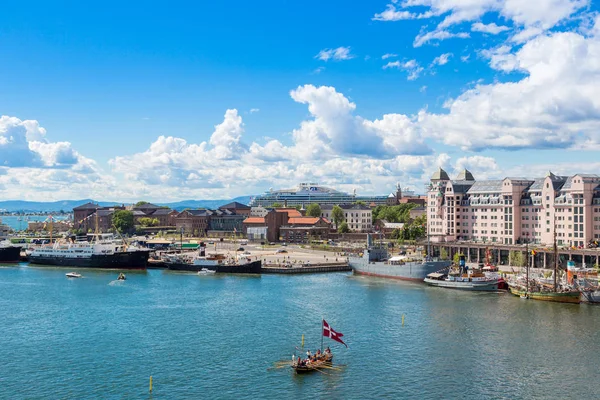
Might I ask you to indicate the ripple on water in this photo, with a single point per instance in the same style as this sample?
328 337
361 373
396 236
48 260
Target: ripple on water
215 337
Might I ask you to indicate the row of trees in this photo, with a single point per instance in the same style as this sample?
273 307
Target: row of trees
412 230
399 213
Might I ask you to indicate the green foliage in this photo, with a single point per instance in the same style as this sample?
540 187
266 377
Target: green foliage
360 202
456 258
298 207
337 215
123 220
146 221
141 203
276 205
399 213
443 253
313 210
517 258
343 228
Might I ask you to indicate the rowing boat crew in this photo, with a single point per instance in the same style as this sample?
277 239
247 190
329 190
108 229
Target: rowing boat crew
318 357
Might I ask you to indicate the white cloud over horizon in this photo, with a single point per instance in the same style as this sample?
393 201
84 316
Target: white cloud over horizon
547 99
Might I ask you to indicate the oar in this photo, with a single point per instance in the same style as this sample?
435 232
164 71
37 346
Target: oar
323 372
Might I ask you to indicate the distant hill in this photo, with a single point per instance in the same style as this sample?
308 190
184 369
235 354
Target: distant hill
68 205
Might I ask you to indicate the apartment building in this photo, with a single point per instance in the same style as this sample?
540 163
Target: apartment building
514 210
357 216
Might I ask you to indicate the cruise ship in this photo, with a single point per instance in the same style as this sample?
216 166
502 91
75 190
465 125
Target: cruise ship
306 193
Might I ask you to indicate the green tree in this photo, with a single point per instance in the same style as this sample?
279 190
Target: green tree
516 258
337 215
276 205
360 202
313 210
141 203
123 220
443 253
343 228
456 258
298 207
145 221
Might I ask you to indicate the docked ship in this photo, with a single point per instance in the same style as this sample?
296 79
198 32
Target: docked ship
463 278
472 281
9 253
306 193
538 289
375 261
218 263
103 252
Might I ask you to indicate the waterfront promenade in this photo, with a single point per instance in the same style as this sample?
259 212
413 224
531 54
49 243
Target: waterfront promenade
217 336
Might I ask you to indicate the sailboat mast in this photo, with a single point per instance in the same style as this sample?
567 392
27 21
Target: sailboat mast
555 255
527 255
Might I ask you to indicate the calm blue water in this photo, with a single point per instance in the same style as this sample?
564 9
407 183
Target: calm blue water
216 336
20 223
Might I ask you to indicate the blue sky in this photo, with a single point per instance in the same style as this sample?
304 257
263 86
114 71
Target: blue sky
167 101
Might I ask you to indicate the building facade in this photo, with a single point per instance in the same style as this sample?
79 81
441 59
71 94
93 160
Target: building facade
305 229
358 217
514 210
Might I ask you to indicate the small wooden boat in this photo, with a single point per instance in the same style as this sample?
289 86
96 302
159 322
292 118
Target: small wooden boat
73 275
303 366
569 296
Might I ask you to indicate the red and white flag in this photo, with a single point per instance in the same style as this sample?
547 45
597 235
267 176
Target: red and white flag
330 333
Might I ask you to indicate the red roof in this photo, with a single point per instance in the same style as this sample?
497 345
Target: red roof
291 212
254 220
305 220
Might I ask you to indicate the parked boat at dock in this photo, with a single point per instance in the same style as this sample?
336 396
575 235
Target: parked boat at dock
9 253
219 263
104 252
472 280
375 261
527 287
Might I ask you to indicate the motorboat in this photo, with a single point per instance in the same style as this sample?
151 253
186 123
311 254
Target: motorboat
206 271
73 275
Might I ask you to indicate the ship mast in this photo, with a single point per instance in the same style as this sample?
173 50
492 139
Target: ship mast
527 255
555 255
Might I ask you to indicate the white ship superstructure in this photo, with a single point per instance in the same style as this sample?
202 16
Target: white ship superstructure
307 193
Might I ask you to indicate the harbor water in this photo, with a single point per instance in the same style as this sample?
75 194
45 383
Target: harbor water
217 337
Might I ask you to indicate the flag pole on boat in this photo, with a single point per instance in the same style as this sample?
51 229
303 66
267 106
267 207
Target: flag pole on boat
322 325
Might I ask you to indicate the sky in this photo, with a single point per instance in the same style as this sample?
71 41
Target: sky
166 101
